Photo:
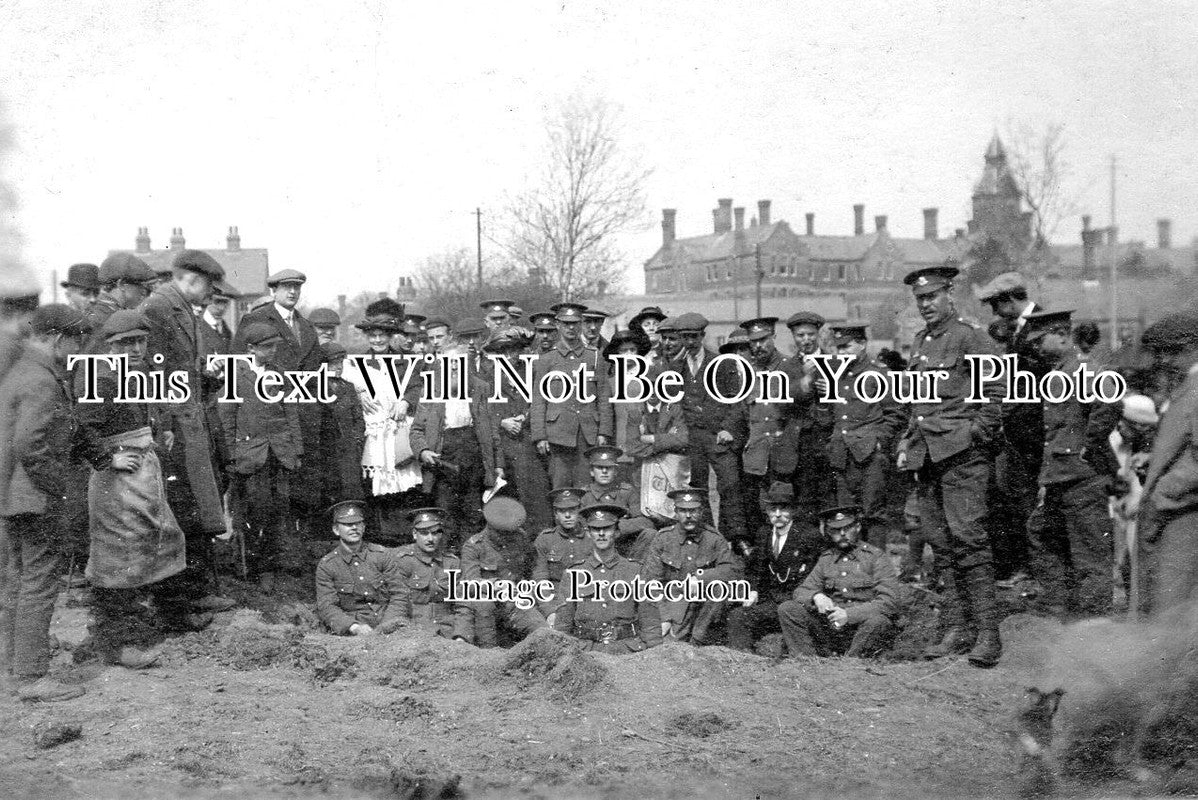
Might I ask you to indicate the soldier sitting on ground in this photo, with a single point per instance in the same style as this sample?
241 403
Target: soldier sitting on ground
356 584
636 530
563 546
424 579
501 552
848 603
603 623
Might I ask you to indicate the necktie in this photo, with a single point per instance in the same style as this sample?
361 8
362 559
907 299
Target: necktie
294 326
777 544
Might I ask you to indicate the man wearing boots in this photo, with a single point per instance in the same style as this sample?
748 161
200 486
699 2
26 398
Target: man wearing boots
848 603
950 446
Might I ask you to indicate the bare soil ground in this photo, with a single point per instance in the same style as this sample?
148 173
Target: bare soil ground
258 707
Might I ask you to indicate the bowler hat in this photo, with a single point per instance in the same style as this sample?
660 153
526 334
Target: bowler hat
83 276
780 494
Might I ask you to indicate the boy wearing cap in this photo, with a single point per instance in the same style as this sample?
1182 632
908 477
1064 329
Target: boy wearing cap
863 434
36 428
135 542
562 546
690 550
1070 531
500 552
264 444
847 604
782 556
424 583
357 583
605 624
342 432
950 445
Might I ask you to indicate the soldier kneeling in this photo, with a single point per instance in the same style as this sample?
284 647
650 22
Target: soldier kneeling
357 583
424 579
602 622
848 603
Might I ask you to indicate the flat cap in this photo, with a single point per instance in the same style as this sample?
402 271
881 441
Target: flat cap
737 339
324 317
124 324
260 333
223 290
124 267
566 497
470 326
603 455
594 314
760 328
667 325
331 351
83 276
568 312
59 318
348 511
436 322
931 279
805 318
543 321
648 312
504 514
1002 284
690 322
602 515
1042 322
780 494
425 518
688 497
840 516
848 331
286 276
200 262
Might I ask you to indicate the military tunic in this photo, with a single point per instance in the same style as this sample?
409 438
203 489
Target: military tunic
423 584
636 530
675 556
357 587
571 426
608 625
491 555
557 551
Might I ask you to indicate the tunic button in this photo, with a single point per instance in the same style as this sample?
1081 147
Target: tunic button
846 416
919 419
842 430
844 574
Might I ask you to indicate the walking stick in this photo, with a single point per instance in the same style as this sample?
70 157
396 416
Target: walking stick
1133 564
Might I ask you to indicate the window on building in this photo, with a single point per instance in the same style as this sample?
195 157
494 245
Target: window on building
840 273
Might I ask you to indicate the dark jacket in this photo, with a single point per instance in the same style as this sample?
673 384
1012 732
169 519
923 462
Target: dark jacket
702 411
358 588
428 430
300 352
589 617
254 429
776 577
561 423
342 438
1077 437
863 581
36 432
862 429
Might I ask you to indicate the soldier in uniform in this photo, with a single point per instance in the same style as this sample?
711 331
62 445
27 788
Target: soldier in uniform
325 321
849 601
437 330
545 329
357 584
715 430
807 438
690 551
862 438
950 446
1013 492
82 286
500 552
424 581
497 314
785 551
593 320
636 530
603 623
562 546
1070 530
563 431
36 427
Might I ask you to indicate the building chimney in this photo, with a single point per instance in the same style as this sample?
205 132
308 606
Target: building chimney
668 232
880 222
763 212
723 215
143 240
1164 239
810 223
858 220
177 240
739 213
233 240
930 224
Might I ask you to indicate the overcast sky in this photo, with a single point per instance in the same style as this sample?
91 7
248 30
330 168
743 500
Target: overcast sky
354 139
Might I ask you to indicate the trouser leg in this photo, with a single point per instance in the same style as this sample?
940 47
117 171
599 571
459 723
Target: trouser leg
37 564
10 585
747 625
798 622
962 493
1012 498
871 636
1048 547
1090 531
728 485
701 620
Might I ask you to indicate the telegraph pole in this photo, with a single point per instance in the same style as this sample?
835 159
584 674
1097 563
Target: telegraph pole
1114 267
478 231
760 276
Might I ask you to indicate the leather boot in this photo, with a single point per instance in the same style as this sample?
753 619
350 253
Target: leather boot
984 597
988 650
956 641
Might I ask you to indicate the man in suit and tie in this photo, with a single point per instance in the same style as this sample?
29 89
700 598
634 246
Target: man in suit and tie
298 349
216 330
784 552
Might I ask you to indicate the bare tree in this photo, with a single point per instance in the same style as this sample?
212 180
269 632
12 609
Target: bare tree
1036 156
447 285
561 230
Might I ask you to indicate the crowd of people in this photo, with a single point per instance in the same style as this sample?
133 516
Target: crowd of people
1067 504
